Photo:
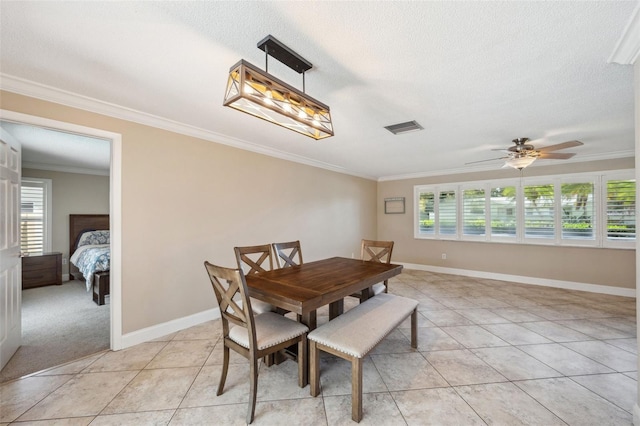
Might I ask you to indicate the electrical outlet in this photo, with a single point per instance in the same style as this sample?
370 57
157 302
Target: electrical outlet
444 256
352 255
64 260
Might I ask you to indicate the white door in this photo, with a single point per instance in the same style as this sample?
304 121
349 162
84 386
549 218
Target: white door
10 265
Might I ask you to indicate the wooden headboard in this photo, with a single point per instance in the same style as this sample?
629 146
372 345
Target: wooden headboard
82 222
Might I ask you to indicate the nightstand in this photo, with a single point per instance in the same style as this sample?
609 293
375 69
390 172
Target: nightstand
41 270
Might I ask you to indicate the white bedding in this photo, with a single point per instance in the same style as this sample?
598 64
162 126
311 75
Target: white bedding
91 259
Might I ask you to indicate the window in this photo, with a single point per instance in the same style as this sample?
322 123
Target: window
584 209
35 211
427 213
621 210
502 201
473 212
437 213
577 210
539 211
447 213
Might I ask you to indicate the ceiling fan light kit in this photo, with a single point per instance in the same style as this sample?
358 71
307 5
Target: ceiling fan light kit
258 93
520 162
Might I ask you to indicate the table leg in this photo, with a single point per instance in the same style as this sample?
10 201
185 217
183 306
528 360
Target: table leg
366 294
310 320
336 308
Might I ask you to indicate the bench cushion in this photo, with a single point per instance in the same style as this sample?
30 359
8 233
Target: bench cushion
360 329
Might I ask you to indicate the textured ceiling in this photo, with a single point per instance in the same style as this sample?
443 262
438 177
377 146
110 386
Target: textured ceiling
475 75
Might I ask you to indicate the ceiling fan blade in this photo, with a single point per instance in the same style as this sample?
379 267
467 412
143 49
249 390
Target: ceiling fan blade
563 145
556 155
490 159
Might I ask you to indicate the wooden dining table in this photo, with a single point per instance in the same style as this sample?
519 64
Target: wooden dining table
304 288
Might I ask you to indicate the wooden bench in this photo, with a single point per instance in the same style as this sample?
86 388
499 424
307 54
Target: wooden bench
354 334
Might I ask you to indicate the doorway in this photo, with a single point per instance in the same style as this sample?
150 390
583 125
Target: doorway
115 141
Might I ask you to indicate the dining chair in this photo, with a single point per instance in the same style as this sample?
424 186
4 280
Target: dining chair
288 254
376 251
253 260
252 336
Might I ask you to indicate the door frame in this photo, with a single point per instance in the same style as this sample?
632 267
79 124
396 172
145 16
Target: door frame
115 209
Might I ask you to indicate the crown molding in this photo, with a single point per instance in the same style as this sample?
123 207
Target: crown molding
32 89
627 48
487 168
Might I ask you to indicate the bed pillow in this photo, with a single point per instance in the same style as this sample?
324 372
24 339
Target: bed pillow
94 238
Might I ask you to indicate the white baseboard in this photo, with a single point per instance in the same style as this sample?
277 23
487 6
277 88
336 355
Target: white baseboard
65 277
156 331
569 285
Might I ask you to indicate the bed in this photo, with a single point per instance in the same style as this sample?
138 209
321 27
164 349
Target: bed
89 253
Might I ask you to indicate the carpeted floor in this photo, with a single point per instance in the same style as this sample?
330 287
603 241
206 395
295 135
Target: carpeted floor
59 324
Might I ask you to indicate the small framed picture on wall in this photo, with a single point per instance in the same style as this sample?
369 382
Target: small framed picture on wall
394 205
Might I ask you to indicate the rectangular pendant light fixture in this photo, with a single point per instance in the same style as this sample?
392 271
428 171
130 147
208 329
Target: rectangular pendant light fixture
256 92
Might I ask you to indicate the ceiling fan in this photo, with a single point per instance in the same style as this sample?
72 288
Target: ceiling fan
523 154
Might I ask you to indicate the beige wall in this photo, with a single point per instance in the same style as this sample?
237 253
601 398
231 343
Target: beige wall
73 193
607 267
186 200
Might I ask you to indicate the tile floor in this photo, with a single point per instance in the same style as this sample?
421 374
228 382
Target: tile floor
490 352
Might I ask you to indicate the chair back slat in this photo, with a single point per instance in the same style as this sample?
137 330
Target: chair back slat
227 285
377 251
288 254
256 258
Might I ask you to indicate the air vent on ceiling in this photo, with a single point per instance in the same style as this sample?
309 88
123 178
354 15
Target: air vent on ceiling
409 126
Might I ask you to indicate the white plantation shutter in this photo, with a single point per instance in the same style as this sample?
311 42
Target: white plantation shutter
447 213
586 209
427 213
621 209
34 211
539 211
473 212
578 210
503 211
